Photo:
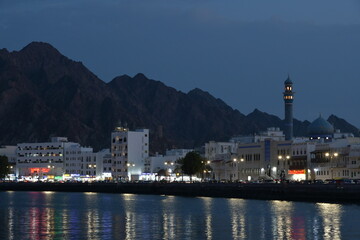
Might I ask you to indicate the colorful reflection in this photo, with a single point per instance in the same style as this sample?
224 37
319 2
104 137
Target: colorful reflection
50 215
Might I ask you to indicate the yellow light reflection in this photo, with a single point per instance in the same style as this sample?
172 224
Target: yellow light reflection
168 217
208 220
48 192
92 219
282 222
331 216
90 193
11 223
130 217
238 221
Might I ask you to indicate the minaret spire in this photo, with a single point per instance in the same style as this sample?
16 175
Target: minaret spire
288 96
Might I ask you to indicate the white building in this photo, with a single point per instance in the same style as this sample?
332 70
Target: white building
58 159
336 159
38 161
104 165
129 151
271 133
220 150
79 162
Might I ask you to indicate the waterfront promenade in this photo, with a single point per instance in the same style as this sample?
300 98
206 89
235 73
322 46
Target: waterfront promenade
337 193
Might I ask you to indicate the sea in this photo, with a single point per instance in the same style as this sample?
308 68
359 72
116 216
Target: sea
62 215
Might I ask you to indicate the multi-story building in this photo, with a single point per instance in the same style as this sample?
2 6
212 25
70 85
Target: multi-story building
129 151
300 159
261 160
336 159
79 162
55 160
251 157
42 160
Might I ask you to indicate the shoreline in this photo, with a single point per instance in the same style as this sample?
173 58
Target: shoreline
329 193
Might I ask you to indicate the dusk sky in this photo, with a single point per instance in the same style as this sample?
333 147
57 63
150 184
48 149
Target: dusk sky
239 51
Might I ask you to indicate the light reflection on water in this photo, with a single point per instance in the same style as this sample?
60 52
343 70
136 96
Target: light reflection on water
331 221
51 215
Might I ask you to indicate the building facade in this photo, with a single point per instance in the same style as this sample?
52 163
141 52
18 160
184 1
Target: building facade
263 156
58 159
129 151
41 161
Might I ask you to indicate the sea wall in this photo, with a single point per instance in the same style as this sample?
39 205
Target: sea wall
345 193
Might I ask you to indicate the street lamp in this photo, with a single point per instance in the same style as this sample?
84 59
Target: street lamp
235 160
206 172
315 171
282 172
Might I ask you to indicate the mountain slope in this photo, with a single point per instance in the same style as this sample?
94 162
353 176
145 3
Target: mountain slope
43 93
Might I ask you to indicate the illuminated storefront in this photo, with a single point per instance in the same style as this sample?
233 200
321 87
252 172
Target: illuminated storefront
297 175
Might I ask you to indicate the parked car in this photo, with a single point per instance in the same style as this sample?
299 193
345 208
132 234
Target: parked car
329 181
318 181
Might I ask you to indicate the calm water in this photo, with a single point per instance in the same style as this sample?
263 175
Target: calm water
50 215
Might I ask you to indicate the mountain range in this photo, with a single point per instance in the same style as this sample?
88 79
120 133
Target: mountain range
44 94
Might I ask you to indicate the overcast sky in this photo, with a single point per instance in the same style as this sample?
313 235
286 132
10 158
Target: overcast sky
239 51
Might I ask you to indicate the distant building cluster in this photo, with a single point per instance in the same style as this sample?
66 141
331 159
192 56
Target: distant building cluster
324 154
273 154
61 160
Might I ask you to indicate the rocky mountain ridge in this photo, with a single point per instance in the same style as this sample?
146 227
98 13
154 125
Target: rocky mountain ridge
43 94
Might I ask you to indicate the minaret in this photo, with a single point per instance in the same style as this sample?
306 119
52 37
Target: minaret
288 100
